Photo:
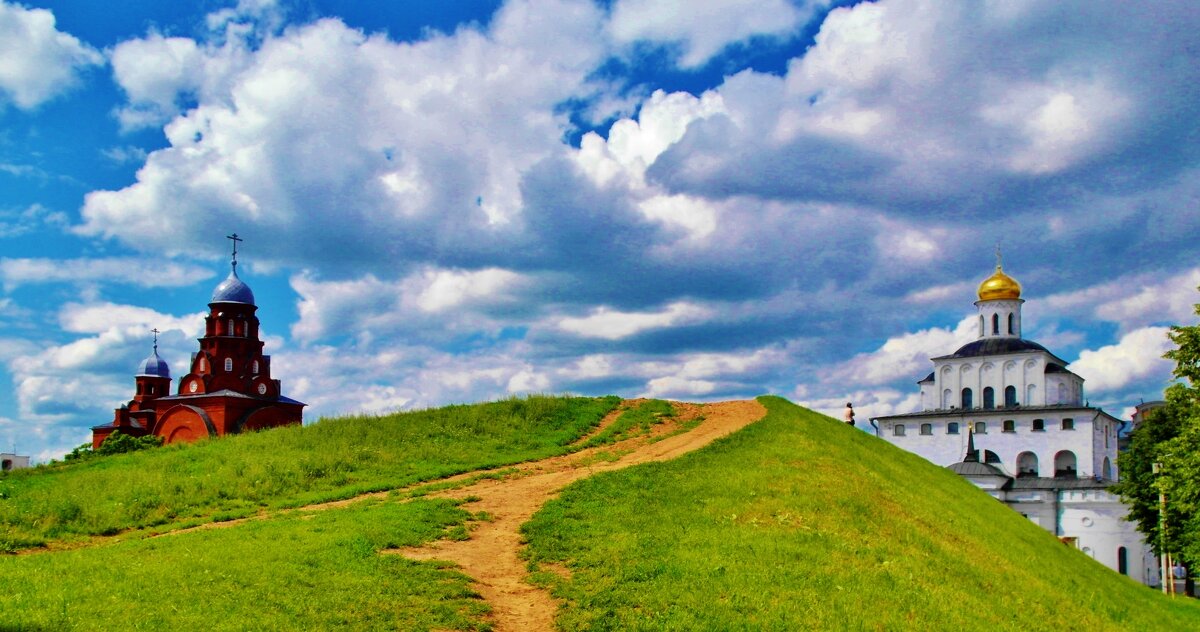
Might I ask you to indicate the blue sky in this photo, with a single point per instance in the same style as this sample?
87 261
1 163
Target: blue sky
455 201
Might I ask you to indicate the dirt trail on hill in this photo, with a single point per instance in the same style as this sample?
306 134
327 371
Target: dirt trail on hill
490 556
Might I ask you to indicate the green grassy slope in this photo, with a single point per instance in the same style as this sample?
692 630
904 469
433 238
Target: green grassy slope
799 522
237 476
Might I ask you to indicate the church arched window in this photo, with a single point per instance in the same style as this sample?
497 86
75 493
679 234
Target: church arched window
981 427
989 397
1030 393
254 368
1068 424
1027 464
1011 319
981 325
995 324
1122 561
898 430
1064 465
1009 426
968 398
946 399
1010 396
229 332
228 364
926 429
200 364
1106 469
1038 425
952 427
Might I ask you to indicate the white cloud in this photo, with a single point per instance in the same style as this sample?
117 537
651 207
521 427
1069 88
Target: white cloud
404 139
906 356
122 270
613 325
1136 300
703 29
677 387
1136 356
37 61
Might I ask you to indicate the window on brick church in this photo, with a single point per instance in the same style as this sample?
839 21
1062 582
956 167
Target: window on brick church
926 429
228 364
1010 426
1068 424
952 427
229 332
898 430
1010 396
1039 425
989 397
254 369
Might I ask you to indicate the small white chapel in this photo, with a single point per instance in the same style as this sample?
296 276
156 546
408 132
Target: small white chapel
1006 413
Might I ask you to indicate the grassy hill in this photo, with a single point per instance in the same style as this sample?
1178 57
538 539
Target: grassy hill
796 522
799 522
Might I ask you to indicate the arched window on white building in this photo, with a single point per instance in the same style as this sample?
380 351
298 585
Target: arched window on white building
946 400
968 398
1030 392
989 397
1010 395
1064 465
995 324
1106 470
1027 464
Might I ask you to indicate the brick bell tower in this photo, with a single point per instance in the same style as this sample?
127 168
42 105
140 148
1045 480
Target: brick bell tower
229 388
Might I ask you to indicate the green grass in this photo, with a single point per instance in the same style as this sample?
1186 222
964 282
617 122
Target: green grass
635 421
238 476
799 522
297 571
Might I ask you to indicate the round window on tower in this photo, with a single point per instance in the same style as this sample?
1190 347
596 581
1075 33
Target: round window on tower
262 388
192 386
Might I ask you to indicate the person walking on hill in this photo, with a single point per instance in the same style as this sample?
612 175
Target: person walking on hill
848 415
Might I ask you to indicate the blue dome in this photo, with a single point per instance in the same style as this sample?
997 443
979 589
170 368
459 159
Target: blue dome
154 366
233 290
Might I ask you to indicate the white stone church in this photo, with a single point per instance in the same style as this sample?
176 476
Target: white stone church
1007 414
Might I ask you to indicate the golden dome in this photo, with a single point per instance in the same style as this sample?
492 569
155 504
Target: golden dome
999 286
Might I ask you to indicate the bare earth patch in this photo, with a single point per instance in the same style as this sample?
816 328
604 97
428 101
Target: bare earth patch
490 556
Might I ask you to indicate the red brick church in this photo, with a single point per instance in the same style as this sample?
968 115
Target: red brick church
228 390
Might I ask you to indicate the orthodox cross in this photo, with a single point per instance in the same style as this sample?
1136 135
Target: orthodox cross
235 239
998 259
155 330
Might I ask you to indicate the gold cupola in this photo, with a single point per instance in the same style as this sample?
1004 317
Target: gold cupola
999 286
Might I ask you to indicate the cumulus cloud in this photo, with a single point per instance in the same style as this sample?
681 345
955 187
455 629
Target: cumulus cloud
37 61
612 325
1136 300
906 356
701 30
123 270
1135 357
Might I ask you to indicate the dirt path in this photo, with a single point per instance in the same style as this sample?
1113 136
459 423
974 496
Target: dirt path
490 556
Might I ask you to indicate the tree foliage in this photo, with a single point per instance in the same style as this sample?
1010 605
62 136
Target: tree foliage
1171 436
115 443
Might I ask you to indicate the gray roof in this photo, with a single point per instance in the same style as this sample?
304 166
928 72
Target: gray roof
975 468
995 345
233 290
228 393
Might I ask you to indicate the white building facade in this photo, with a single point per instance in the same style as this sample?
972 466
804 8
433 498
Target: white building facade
1007 414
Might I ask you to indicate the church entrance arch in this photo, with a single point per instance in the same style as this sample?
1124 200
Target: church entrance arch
1064 465
1027 464
184 423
